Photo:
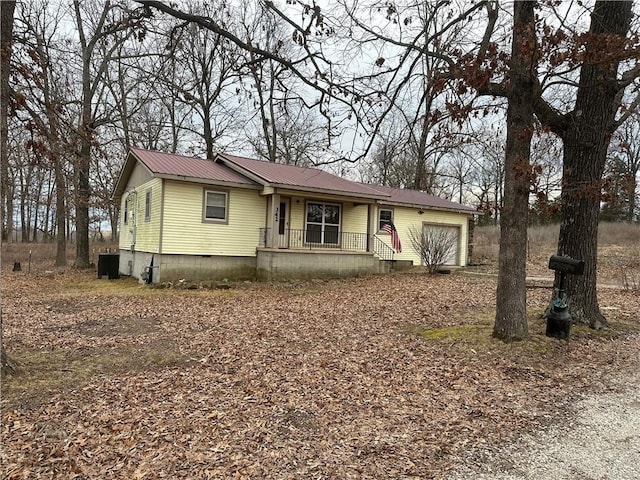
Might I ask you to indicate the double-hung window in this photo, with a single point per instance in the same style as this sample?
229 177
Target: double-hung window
385 216
323 223
215 206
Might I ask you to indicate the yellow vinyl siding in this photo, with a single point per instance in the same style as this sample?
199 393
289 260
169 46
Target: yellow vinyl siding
405 218
147 232
185 232
298 213
353 219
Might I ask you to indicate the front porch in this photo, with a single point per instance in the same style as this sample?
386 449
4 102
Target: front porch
320 241
276 264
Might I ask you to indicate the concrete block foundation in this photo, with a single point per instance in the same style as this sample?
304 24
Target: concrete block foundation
170 268
267 265
274 264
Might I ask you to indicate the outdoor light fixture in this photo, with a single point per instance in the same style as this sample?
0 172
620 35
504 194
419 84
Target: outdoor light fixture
559 318
420 211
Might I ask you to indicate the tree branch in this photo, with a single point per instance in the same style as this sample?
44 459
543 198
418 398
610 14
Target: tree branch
547 115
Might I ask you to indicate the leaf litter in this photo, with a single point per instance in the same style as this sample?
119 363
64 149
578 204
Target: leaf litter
383 377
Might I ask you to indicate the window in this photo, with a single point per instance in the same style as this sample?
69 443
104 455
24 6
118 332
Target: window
147 205
323 223
385 216
215 206
125 215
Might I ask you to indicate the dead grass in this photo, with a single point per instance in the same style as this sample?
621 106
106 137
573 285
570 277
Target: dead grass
43 255
623 234
394 376
618 252
43 374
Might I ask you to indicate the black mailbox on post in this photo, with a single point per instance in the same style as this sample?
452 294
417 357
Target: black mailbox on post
108 264
559 318
566 265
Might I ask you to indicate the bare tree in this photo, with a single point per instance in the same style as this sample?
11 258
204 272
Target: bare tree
623 167
344 100
45 104
97 25
207 82
434 245
546 159
487 176
386 166
460 167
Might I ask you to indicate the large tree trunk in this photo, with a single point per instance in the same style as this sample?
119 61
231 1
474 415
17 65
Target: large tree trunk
585 151
82 200
61 238
6 194
6 29
511 314
85 131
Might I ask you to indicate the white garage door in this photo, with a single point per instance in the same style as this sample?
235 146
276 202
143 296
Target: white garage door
448 237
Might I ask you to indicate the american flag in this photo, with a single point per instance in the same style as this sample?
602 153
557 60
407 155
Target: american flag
390 228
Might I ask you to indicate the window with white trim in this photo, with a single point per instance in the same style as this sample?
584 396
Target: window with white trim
215 206
385 215
147 205
323 223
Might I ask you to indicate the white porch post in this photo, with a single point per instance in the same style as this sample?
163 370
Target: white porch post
372 225
273 221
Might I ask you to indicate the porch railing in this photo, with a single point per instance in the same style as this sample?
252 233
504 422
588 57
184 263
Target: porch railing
299 239
381 249
314 239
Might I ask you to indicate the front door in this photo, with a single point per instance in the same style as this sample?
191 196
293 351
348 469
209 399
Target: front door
283 223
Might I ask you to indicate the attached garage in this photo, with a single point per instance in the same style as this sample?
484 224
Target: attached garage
447 238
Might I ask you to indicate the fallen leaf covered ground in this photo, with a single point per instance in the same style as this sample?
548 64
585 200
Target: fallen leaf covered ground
391 376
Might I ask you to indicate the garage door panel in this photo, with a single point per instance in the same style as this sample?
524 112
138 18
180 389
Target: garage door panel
446 231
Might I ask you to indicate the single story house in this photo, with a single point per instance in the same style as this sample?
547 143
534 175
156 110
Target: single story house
238 218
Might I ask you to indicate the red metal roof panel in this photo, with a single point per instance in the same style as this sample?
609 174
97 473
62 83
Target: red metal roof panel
278 174
302 177
160 163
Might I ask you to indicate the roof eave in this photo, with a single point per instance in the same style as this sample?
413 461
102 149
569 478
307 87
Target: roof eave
326 191
429 207
208 181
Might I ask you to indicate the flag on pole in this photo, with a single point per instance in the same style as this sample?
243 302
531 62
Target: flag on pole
390 228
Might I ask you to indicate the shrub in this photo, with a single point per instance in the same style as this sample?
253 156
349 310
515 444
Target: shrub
433 245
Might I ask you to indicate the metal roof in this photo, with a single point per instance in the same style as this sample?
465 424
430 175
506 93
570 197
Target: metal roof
242 171
166 164
421 199
301 178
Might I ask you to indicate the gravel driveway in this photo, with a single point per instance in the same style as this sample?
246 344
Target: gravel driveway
601 441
